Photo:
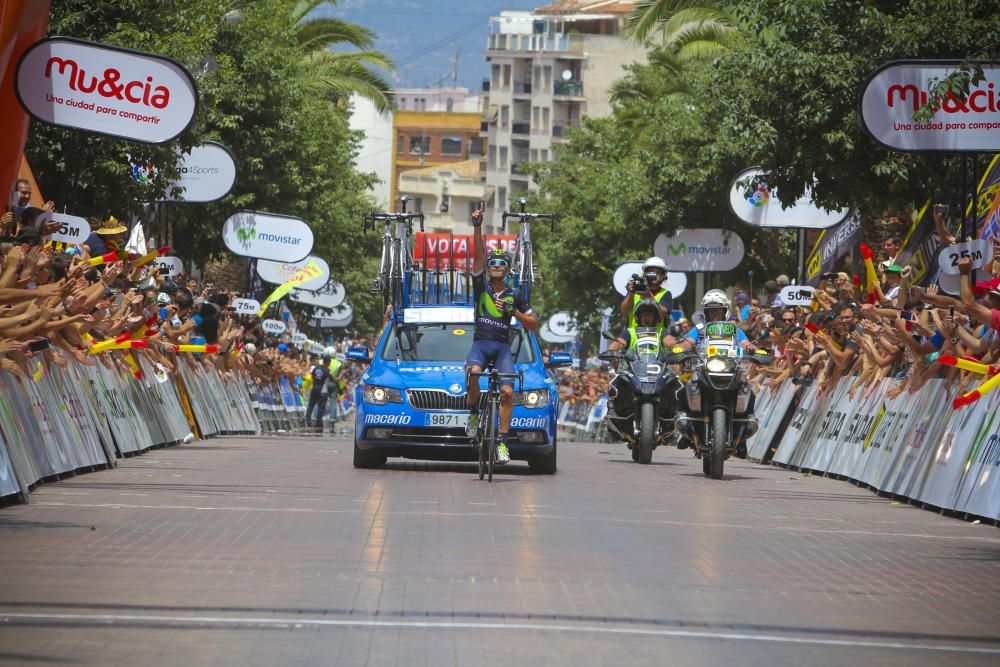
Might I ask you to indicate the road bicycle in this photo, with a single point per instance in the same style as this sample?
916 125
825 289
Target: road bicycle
397 256
488 431
524 265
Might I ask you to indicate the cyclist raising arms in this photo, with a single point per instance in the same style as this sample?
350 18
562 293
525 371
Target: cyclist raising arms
495 304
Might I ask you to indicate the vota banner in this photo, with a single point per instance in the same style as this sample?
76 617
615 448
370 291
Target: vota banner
439 247
277 273
898 89
700 250
105 89
207 173
757 204
280 238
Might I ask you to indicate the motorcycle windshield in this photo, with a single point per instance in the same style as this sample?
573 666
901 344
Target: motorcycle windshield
646 364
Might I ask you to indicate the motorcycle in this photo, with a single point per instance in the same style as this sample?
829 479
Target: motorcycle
716 404
643 394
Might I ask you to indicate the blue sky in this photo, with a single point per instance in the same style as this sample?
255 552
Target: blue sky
421 36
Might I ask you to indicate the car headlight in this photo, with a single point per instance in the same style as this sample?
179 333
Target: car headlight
379 395
532 398
716 365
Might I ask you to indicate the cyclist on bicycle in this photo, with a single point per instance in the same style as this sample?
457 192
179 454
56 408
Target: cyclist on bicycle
495 304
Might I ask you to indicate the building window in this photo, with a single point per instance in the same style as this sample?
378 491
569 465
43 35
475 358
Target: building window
492 160
503 157
504 115
449 104
502 198
418 205
400 142
445 203
545 118
420 145
451 146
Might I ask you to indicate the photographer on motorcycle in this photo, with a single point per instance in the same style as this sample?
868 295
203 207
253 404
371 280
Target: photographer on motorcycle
647 286
715 307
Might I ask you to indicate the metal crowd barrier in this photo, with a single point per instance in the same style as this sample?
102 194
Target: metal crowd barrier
61 421
584 419
911 446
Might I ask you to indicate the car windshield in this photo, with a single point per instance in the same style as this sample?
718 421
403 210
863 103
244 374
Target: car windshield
447 342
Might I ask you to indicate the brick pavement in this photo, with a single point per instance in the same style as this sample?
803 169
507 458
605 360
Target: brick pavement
257 551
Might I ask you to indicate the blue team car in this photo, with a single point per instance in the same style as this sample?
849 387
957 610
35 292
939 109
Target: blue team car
411 400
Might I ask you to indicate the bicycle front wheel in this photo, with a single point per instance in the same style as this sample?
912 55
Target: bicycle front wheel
490 437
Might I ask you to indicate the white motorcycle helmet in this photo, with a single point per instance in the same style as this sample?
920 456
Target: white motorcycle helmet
654 263
330 352
715 299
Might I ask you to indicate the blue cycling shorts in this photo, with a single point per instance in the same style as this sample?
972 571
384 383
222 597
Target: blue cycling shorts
484 351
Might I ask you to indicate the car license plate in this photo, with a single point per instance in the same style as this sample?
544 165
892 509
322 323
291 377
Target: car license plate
456 419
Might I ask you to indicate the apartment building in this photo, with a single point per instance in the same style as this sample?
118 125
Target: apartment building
432 139
447 194
549 68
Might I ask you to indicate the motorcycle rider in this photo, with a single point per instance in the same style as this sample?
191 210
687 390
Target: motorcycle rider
648 318
654 271
715 307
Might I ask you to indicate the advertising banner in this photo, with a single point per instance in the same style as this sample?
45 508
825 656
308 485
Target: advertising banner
831 246
72 229
898 89
979 487
280 238
756 204
987 202
329 296
105 89
438 248
207 173
277 273
310 271
563 324
700 250
675 281
771 408
920 247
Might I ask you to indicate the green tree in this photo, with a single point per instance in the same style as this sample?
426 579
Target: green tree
294 150
338 74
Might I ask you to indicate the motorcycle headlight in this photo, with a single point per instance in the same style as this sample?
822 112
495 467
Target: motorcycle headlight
716 365
379 395
532 398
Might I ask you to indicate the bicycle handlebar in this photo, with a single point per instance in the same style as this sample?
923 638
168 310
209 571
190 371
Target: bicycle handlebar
527 217
369 219
494 373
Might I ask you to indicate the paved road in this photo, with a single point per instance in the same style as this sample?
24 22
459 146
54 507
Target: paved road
266 551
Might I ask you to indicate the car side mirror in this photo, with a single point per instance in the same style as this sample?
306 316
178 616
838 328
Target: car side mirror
559 359
359 353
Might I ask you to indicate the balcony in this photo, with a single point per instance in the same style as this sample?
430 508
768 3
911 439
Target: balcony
522 88
542 42
560 129
568 88
520 128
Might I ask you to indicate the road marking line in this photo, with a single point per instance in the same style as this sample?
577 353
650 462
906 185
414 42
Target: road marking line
535 627
554 517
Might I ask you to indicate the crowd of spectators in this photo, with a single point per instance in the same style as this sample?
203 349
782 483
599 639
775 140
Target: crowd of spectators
895 330
61 301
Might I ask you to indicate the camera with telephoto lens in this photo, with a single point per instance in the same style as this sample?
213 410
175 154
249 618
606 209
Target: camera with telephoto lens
639 283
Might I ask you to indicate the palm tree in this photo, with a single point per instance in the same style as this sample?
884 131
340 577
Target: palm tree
338 74
692 29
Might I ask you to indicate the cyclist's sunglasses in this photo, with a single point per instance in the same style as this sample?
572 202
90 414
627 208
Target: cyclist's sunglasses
497 262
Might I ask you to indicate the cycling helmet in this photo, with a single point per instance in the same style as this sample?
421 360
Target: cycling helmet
499 253
647 306
655 263
715 298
